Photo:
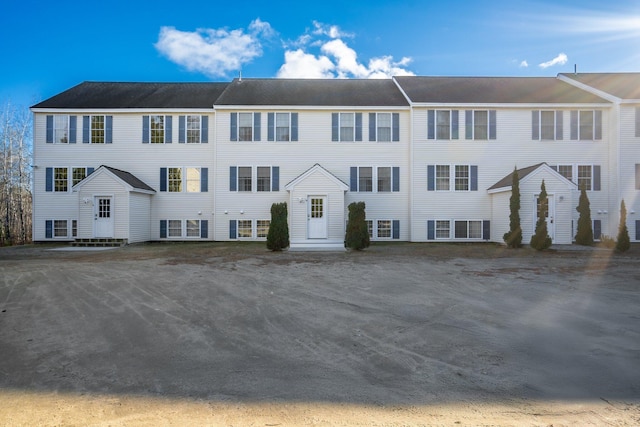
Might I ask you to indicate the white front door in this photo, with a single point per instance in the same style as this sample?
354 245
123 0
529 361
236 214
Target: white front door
549 215
317 217
103 216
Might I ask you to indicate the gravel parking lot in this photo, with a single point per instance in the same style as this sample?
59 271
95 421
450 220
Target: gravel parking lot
399 334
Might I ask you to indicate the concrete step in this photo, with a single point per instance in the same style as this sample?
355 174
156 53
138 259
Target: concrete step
99 243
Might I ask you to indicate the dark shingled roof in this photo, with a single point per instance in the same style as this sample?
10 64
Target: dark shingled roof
493 90
136 95
508 180
311 92
620 85
129 178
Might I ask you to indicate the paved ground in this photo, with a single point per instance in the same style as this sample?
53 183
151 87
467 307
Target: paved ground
404 334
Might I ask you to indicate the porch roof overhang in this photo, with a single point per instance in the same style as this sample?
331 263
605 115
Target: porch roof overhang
313 169
525 174
124 178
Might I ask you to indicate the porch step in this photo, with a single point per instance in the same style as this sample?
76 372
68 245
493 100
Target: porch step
317 245
99 243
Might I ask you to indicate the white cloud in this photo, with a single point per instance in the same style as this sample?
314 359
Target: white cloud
298 64
524 64
336 59
213 52
332 31
561 59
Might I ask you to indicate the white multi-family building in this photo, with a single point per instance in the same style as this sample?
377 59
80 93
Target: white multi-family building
431 157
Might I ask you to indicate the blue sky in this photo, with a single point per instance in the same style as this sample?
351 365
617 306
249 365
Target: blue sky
48 47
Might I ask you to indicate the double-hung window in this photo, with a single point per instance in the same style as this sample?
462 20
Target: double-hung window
97 129
244 178
346 127
60 228
365 179
381 179
480 124
245 126
157 129
546 125
245 230
452 178
443 229
190 228
61 129
583 175
192 129
384 127
442 177
468 229
282 127
241 178
462 178
78 174
60 180
262 228
189 180
586 125
384 228
442 124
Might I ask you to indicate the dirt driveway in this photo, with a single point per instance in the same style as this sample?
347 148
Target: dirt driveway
400 334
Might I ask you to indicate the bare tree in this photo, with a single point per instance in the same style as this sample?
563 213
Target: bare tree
15 175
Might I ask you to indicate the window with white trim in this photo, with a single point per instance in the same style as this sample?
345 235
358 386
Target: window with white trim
174 228
74 228
369 223
60 228
193 227
97 129
586 125
443 177
480 124
384 229
262 228
264 178
174 180
283 126
156 129
245 230
78 174
566 171
443 229
383 127
468 229
462 177
546 125
365 179
193 129
60 180
61 129
384 179
442 124
346 125
245 126
244 178
585 176
193 180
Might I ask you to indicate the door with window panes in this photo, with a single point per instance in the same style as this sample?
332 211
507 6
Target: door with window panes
103 216
317 217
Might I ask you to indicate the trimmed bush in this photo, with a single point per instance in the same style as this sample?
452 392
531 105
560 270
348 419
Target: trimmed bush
513 237
584 234
278 236
623 244
541 240
357 236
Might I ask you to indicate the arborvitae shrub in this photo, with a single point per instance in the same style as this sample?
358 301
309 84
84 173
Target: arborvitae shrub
623 244
584 235
513 237
541 240
278 236
357 236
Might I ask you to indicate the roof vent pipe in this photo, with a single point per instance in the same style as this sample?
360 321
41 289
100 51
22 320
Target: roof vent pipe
575 69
